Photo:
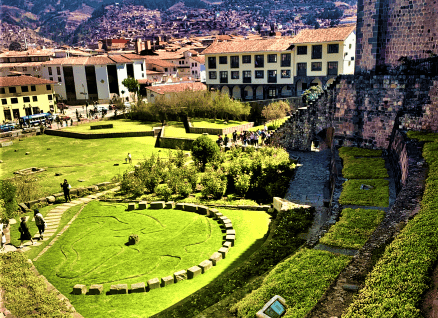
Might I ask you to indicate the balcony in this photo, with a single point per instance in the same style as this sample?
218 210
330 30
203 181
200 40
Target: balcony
224 80
272 79
247 80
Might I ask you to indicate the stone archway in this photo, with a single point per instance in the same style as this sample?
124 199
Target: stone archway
316 82
248 93
236 92
259 92
301 87
225 90
330 81
286 91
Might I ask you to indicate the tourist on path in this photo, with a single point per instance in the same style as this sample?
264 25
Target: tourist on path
129 157
66 188
39 222
3 241
24 232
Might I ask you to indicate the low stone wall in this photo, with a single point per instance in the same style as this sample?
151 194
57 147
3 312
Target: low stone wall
20 133
190 273
220 131
69 134
174 143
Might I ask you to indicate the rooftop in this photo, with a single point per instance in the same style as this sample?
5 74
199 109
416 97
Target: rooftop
324 35
268 45
22 80
178 88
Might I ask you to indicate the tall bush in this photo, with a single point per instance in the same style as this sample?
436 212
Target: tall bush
204 150
8 191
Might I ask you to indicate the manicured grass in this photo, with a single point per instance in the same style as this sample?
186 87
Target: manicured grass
422 136
300 280
364 168
176 129
95 252
359 152
76 159
353 228
119 125
353 195
214 123
399 279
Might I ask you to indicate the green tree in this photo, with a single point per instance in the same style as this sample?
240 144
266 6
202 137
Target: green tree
8 191
132 85
276 110
204 150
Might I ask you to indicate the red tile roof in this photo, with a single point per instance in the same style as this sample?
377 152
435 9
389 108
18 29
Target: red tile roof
119 58
199 59
91 60
132 56
159 62
22 80
178 88
324 35
274 45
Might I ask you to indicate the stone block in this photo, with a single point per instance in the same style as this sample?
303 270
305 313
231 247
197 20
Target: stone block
231 238
6 144
190 207
231 232
212 213
228 226
73 191
218 215
32 203
205 265
224 251
227 244
138 288
95 289
93 188
202 209
131 206
119 289
222 219
103 184
158 205
153 283
23 207
216 257
180 275
194 271
179 206
50 199
168 280
79 289
143 205
170 205
225 221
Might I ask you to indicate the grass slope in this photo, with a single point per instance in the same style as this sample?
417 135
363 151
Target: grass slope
353 228
353 195
95 252
300 280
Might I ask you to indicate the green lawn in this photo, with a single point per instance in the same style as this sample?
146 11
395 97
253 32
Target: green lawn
214 123
93 251
119 125
76 159
364 168
176 129
353 228
353 195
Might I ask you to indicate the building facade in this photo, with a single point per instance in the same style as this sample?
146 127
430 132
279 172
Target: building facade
25 95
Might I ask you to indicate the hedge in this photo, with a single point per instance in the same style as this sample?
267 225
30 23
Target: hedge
395 286
352 194
284 242
300 280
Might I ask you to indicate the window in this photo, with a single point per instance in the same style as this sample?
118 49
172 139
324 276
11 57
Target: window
26 99
302 69
51 78
332 68
212 62
333 48
258 61
49 87
223 76
223 60
246 59
259 74
34 98
285 73
302 50
316 66
33 88
24 89
7 114
285 59
234 74
246 76
349 46
193 64
12 90
14 100
165 69
234 60
50 70
59 79
212 75
272 58
50 97
316 52
141 68
24 69
58 70
272 92
4 101
272 76
2 90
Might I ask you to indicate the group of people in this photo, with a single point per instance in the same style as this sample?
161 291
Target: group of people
252 138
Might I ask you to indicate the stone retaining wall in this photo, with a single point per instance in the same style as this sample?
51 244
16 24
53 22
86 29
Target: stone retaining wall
180 275
69 134
220 131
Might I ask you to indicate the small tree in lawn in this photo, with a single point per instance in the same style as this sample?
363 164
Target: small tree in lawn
275 110
132 85
204 150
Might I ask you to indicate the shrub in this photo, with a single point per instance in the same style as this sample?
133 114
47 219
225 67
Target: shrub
28 188
130 184
242 183
8 191
214 184
163 190
183 188
204 150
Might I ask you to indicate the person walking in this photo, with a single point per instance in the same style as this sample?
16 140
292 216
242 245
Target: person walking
129 157
24 232
39 222
3 241
66 188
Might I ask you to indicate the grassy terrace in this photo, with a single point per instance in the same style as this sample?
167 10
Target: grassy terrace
214 123
395 286
119 125
176 129
377 196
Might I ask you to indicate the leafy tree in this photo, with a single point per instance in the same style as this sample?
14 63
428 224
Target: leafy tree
204 150
311 93
132 85
276 110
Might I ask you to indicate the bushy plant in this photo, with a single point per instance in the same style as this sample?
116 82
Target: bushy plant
184 188
204 150
214 183
130 184
28 188
242 183
164 191
8 191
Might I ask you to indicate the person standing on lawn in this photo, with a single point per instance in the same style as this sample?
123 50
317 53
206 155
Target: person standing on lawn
66 188
24 232
39 222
